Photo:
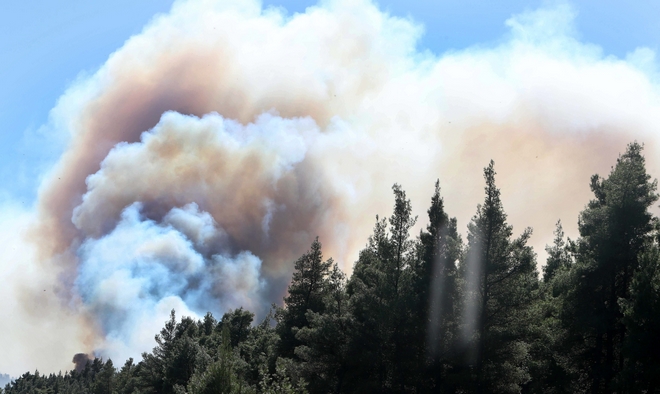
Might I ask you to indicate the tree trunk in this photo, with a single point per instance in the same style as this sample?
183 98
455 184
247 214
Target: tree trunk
597 367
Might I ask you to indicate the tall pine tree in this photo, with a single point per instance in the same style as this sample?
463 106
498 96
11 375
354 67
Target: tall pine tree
381 303
436 289
501 279
324 353
614 228
306 293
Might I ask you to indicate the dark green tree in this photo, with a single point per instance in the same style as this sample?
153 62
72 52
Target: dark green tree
220 376
641 318
437 296
172 361
381 305
238 323
280 381
126 380
103 381
259 350
614 228
551 367
410 320
325 339
558 255
501 281
306 293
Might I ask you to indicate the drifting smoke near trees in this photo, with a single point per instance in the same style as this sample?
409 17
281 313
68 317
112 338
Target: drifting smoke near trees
207 153
80 360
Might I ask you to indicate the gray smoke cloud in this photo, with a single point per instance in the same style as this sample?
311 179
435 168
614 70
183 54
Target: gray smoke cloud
142 266
80 361
209 150
178 220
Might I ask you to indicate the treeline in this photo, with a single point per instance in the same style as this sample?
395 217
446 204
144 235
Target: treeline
434 313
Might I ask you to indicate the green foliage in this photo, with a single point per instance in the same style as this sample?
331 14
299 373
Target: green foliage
501 284
558 255
382 305
259 349
172 361
219 377
436 298
306 293
238 323
323 354
430 315
126 380
641 318
103 381
550 364
614 230
279 382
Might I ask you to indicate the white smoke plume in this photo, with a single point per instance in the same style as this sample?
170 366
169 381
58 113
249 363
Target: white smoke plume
141 267
207 153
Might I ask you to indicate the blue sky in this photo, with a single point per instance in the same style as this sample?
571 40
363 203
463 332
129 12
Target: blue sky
45 46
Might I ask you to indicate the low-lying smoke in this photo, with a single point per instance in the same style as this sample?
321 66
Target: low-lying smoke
207 153
142 266
80 360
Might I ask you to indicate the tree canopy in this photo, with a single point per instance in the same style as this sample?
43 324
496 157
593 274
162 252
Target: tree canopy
430 313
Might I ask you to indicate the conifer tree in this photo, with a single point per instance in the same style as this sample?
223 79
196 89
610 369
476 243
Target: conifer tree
220 376
126 380
306 292
614 228
259 350
551 367
501 278
238 323
380 292
172 361
324 353
436 287
409 320
103 381
558 257
641 318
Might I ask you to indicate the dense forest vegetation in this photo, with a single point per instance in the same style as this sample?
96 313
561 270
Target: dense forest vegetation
434 313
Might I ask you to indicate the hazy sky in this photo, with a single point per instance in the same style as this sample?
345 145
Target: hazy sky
46 45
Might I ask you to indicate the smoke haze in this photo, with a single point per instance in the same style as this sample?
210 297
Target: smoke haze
207 153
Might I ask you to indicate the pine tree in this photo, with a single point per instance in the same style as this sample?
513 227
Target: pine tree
501 278
324 349
551 366
306 293
558 257
259 351
641 318
436 287
238 323
153 364
103 381
380 292
614 228
220 376
126 380
172 361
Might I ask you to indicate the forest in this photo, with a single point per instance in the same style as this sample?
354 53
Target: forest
433 312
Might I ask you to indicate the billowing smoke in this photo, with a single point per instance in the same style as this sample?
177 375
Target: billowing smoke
142 266
80 360
207 153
